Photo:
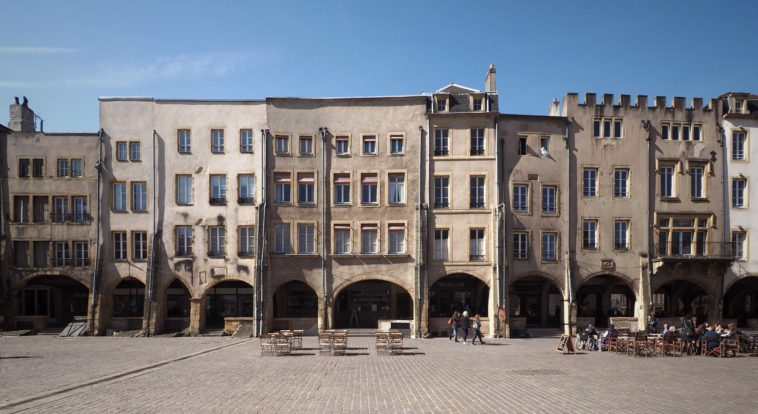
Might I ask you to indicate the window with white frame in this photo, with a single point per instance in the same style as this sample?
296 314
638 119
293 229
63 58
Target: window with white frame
183 140
476 245
246 241
342 145
549 242
139 196
369 145
217 141
739 140
282 188
122 151
739 240
396 188
306 188
341 189
440 103
738 192
135 151
184 190
441 144
306 236
589 234
139 245
396 234
589 182
282 243
77 167
441 244
63 168
544 146
246 189
397 144
520 245
119 245
369 187
306 145
81 213
60 254
60 209
282 144
477 104
441 192
477 141
21 209
549 194
607 127
218 190
216 241
369 239
81 253
183 241
476 191
246 141
666 179
697 189
341 239
119 196
682 236
621 183
621 235
520 198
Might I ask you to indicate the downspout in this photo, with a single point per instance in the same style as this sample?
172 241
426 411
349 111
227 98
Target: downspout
498 235
324 131
650 215
726 205
99 168
570 233
419 247
261 237
153 248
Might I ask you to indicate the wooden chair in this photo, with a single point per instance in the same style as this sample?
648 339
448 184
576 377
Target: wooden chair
297 339
705 350
325 340
382 343
267 345
611 344
396 342
732 345
282 345
339 346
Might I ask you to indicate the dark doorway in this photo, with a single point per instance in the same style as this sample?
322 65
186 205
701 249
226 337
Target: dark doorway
459 291
537 299
680 298
741 301
59 298
295 300
603 297
363 304
228 299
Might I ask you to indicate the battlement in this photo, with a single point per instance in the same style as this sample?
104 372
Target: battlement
641 101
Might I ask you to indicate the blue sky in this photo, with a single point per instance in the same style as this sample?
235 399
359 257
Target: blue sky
64 54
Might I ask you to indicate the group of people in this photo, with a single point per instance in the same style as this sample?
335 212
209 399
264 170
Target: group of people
460 323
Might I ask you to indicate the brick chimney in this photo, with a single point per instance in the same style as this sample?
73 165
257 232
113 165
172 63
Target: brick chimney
21 116
490 82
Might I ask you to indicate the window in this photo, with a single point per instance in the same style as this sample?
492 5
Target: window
738 146
696 132
183 139
218 190
39 205
476 192
617 128
119 245
23 167
665 131
369 239
440 104
621 183
476 104
217 141
548 199
62 168
696 184
477 141
397 144
306 145
682 236
396 233
246 141
38 168
341 189
135 151
476 245
441 147
396 188
341 239
342 145
80 210
81 254
60 254
306 234
521 146
282 143
184 190
738 245
306 184
283 188
608 128
441 192
139 245
40 253
21 209
369 145
589 182
520 198
139 196
119 196
667 181
246 241
621 235
369 184
441 246
738 192
282 243
60 209
676 131
545 146
183 241
77 167
549 241
520 245
21 253
216 241
589 234
245 189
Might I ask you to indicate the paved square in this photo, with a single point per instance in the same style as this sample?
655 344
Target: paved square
213 374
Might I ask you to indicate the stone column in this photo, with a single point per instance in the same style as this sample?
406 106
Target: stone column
197 315
643 297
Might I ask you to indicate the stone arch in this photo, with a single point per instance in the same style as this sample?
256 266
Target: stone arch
50 299
483 276
603 295
214 283
741 301
458 291
295 299
83 279
679 297
230 297
537 299
365 300
360 278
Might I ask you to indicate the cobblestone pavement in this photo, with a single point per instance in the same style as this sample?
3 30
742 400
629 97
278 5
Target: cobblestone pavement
57 375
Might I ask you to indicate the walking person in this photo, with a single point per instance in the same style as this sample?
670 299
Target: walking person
455 320
464 325
477 325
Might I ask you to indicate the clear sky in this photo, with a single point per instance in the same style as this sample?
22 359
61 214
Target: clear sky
63 55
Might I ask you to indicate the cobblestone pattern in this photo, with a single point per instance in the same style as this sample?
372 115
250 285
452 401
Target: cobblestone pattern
434 375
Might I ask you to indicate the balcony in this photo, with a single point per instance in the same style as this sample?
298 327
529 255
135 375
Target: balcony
75 218
217 201
695 251
245 253
246 201
477 151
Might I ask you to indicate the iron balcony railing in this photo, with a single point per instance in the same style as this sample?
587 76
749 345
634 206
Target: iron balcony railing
246 201
217 201
71 218
709 250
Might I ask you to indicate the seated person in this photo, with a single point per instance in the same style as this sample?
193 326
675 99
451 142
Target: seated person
586 337
665 328
671 335
732 331
711 338
611 332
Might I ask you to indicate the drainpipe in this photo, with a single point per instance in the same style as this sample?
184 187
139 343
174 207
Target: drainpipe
324 133
726 205
261 237
498 235
153 247
570 232
650 220
419 247
99 168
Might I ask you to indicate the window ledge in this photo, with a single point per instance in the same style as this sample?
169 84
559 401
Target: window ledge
342 205
670 199
700 200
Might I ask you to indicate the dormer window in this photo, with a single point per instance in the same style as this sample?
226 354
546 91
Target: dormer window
441 104
738 106
477 103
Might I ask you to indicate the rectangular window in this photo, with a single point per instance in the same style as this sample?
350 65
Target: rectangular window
139 196
369 145
246 189
77 167
21 249
24 169
369 186
617 128
685 132
306 188
282 144
341 189
545 146
665 131
477 141
283 188
477 104
675 131
216 241
738 192
441 192
521 147
341 239
135 151
549 194
621 183
119 196
369 239
60 254
396 188
441 104
520 245
306 145
441 147
39 204
738 245
696 184
397 145
738 146
476 192
246 141
282 243
21 209
184 190
139 245
81 214
81 254
696 132
60 209
621 235
667 181
342 145
520 198
62 168
608 127
589 182
476 245
40 253
306 234
217 141
549 241
246 241
183 241
119 245
589 234
218 190
441 246
396 234
183 139
38 168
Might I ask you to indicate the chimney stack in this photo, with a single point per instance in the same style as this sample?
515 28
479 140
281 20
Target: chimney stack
21 117
490 82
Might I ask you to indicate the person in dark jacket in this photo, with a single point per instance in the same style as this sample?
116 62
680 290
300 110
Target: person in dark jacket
477 325
455 321
464 325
